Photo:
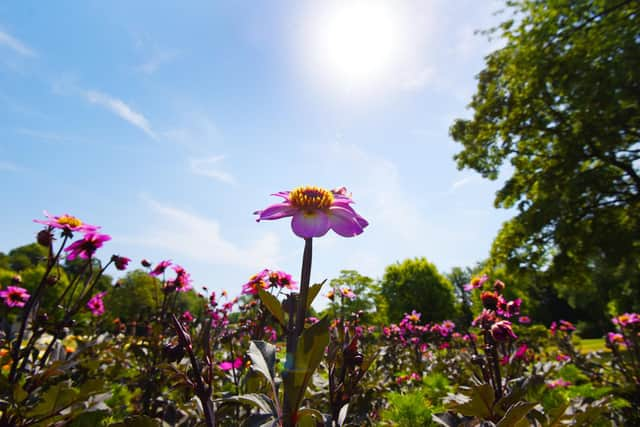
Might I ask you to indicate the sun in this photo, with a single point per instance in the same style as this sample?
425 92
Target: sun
354 42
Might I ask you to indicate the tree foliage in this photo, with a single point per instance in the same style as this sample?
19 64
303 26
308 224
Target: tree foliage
416 284
560 104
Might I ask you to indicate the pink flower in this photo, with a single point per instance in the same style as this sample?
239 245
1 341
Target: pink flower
86 247
314 211
563 357
280 279
182 282
525 320
567 326
521 352
476 282
226 366
14 296
347 292
120 262
96 305
501 331
613 338
256 282
160 268
626 319
186 317
67 223
558 383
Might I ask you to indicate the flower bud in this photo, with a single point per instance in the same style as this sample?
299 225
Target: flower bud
501 331
145 263
499 286
44 238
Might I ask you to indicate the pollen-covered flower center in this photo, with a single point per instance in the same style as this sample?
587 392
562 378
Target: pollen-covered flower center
311 198
69 220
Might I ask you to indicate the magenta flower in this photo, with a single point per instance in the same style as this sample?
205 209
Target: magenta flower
96 305
86 247
66 222
160 268
314 211
14 296
226 366
476 283
182 282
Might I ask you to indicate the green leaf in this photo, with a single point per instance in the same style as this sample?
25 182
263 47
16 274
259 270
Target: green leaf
309 354
515 414
18 393
273 305
137 421
263 358
480 405
314 290
54 400
308 417
258 400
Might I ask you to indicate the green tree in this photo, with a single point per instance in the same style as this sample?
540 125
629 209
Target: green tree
416 284
367 296
560 103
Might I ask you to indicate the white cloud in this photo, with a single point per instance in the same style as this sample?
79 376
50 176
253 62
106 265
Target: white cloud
196 132
183 233
210 167
121 109
15 44
157 59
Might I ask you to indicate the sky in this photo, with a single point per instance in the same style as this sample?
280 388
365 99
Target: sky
170 123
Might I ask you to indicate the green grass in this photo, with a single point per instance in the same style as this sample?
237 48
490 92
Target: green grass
592 344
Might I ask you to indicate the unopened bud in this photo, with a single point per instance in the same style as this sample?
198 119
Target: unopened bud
145 263
52 280
44 238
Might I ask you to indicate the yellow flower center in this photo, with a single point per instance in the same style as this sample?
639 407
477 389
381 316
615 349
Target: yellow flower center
69 220
311 198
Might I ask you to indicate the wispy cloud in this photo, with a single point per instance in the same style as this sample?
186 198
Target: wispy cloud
158 58
210 167
16 45
8 166
178 231
121 109
462 182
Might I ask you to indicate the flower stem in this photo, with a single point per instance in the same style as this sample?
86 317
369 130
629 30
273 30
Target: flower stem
295 329
305 278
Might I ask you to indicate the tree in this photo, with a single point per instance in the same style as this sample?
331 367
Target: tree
416 284
560 103
366 296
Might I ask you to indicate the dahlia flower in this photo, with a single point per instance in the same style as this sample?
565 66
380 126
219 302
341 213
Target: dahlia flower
315 210
96 305
66 222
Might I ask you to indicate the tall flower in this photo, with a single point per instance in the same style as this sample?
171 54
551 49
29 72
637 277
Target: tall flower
256 282
14 296
315 210
67 223
120 262
476 282
86 247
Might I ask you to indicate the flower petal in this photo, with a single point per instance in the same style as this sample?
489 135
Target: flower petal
346 222
279 210
310 224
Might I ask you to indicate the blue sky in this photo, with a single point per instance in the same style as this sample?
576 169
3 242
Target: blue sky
169 123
